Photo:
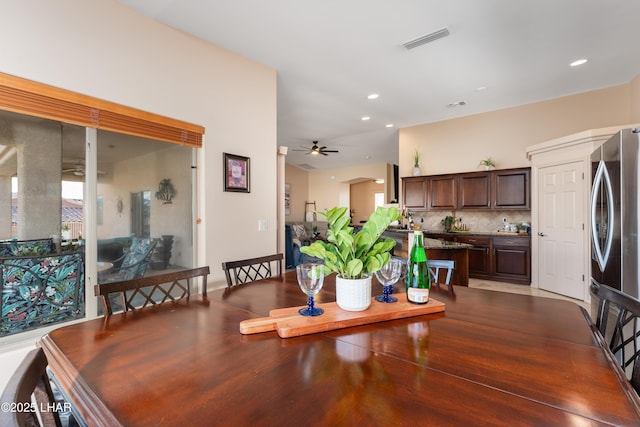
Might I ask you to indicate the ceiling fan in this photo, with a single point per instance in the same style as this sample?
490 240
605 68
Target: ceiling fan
77 169
317 150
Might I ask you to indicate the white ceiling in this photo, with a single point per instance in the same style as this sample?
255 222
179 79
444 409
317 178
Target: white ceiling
331 54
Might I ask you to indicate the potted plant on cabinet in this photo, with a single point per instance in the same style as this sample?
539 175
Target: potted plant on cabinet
488 163
416 163
355 257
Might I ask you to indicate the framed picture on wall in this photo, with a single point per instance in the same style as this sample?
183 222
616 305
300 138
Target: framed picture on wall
236 173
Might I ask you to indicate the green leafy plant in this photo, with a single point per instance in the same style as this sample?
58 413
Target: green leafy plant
416 158
351 255
488 162
447 222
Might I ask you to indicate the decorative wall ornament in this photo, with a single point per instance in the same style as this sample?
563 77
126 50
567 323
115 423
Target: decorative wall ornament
119 206
165 192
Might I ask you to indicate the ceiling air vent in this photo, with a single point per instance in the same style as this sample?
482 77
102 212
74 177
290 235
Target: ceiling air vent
305 166
426 39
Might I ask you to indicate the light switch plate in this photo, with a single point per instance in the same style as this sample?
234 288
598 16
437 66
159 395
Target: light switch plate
262 225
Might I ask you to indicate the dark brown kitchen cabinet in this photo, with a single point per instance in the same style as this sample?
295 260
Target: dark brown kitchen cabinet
474 191
414 192
479 255
512 259
442 192
511 189
503 259
501 189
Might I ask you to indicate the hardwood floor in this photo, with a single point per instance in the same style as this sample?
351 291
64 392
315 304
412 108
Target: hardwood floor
521 289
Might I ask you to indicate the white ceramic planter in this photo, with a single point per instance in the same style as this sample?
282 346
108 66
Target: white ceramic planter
353 294
416 171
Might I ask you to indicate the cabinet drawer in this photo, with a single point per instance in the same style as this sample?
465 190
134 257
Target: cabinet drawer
474 240
521 242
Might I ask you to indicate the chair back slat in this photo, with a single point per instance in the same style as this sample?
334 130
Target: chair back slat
618 321
138 293
248 270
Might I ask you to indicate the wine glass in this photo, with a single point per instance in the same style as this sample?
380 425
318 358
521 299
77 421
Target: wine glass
388 276
310 279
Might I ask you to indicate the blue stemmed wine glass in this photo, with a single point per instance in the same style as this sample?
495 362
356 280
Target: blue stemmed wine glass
310 279
388 275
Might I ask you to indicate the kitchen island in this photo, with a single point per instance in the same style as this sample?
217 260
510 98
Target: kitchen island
435 249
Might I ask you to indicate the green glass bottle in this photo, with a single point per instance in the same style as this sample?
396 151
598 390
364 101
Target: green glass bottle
418 278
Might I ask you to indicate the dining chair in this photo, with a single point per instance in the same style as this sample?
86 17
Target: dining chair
248 270
437 266
622 335
134 294
29 379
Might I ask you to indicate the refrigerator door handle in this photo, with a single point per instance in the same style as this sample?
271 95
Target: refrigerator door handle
602 178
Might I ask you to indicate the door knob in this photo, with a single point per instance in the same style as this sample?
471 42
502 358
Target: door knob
541 234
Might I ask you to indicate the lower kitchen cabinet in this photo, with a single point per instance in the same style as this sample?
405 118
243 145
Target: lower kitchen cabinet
512 259
479 255
503 259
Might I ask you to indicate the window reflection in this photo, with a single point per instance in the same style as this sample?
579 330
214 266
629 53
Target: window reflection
42 200
134 221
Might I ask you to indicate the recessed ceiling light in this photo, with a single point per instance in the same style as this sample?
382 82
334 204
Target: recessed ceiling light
481 88
379 181
390 125
373 96
366 118
578 62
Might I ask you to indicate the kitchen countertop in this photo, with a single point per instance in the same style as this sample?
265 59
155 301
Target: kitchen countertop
460 233
434 243
443 244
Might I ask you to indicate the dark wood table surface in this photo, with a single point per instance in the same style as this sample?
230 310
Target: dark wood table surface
491 358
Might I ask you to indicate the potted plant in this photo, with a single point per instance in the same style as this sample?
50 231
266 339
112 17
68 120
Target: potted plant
488 163
355 257
416 163
66 232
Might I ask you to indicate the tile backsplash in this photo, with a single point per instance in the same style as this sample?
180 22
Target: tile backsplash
480 221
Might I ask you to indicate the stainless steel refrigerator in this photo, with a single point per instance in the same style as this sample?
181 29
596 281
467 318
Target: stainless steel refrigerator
614 212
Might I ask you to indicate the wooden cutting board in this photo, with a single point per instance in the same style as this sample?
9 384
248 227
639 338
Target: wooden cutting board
289 323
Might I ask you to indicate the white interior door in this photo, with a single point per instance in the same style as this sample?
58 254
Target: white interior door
561 228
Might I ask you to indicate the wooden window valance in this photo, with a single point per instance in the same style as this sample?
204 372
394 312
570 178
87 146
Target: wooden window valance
36 99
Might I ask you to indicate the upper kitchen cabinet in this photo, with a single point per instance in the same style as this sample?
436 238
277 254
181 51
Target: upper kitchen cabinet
497 189
414 192
442 190
474 190
512 188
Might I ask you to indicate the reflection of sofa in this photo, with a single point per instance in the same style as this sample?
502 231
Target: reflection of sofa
40 290
293 242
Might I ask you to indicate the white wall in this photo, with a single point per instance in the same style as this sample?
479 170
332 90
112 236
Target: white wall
103 49
458 145
106 50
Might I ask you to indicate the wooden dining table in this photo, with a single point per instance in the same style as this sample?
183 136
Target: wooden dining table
490 359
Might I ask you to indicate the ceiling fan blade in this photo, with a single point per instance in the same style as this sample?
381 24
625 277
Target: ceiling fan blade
330 151
323 153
